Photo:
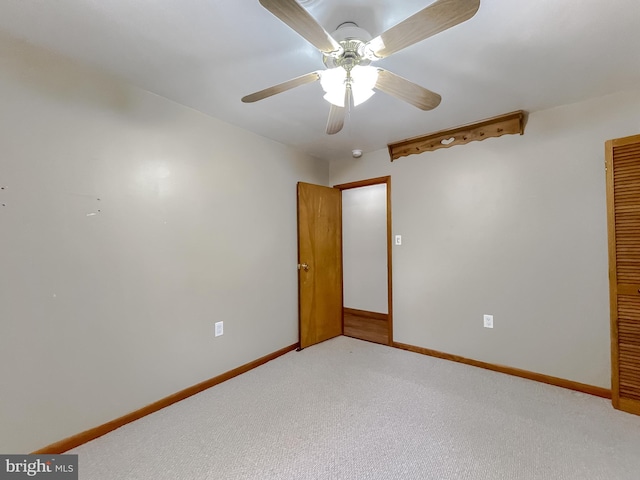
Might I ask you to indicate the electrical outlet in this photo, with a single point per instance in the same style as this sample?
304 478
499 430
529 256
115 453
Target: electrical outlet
488 321
219 328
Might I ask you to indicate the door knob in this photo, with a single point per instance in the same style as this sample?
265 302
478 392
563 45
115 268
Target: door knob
303 266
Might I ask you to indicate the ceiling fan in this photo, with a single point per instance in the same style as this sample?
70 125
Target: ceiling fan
349 51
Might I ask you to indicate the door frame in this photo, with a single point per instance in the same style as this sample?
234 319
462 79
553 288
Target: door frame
366 183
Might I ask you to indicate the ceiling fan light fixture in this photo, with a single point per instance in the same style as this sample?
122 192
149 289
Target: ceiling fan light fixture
360 80
334 84
336 97
361 96
363 79
333 78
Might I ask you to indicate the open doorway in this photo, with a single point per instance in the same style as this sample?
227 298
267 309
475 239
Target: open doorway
366 260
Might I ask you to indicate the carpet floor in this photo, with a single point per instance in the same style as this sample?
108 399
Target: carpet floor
348 409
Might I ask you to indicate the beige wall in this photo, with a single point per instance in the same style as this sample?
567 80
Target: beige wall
103 314
514 227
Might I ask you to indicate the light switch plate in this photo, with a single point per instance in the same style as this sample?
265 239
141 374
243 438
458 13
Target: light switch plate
488 321
398 239
219 328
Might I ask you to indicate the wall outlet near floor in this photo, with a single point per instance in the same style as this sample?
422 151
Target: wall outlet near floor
488 321
219 328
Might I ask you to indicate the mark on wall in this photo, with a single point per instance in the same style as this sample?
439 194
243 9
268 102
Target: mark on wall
91 214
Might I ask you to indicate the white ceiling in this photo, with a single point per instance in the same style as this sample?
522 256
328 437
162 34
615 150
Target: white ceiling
207 54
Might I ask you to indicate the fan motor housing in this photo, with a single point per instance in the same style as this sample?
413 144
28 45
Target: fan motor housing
352 39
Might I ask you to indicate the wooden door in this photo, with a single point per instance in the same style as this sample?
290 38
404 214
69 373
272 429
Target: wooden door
623 209
319 263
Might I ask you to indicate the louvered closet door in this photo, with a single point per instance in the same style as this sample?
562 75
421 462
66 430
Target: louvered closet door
623 202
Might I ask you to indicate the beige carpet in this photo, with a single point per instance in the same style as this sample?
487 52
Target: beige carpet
348 409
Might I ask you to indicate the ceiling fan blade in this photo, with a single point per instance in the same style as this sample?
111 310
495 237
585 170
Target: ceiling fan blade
435 18
403 89
337 114
282 87
294 15
336 119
